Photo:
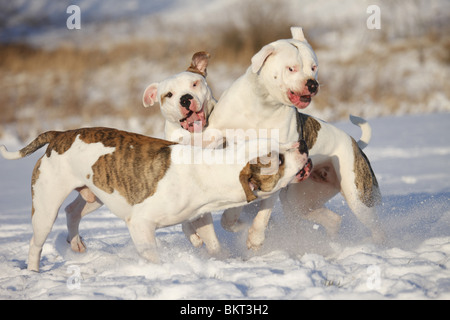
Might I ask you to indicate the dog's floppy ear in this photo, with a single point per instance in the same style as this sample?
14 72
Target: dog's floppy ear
247 184
261 57
199 63
297 34
150 95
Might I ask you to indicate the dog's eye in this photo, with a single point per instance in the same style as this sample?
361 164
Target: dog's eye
169 95
291 69
314 68
195 84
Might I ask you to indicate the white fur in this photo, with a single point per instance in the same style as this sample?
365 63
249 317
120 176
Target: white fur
178 85
258 100
9 155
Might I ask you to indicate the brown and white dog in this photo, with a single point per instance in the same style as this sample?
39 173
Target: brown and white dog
186 102
135 176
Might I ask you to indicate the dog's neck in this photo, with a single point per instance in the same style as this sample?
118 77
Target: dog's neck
247 104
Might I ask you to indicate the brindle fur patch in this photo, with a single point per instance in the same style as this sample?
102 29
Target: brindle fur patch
365 180
34 177
134 168
39 142
251 173
61 141
311 128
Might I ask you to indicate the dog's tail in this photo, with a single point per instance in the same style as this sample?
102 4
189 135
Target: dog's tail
37 143
366 129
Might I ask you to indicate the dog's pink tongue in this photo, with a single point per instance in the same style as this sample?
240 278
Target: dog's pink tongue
198 126
196 122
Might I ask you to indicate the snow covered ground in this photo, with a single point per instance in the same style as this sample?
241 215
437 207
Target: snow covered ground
409 154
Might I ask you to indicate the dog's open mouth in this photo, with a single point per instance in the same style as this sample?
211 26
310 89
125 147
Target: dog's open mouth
299 100
194 121
304 173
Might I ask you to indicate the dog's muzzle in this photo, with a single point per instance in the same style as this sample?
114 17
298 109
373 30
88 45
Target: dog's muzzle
193 121
302 99
185 101
312 85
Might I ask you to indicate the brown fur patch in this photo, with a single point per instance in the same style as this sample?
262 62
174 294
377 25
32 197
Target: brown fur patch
311 128
39 142
365 179
199 63
163 97
61 142
134 168
34 177
251 174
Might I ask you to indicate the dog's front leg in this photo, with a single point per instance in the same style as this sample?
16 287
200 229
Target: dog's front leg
256 233
142 233
204 229
191 234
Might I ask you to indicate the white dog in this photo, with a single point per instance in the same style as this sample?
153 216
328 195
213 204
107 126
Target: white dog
186 101
135 176
282 74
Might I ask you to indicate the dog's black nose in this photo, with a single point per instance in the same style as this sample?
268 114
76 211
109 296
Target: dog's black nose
312 85
185 101
303 147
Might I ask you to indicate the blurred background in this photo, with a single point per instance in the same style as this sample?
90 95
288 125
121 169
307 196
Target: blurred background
52 77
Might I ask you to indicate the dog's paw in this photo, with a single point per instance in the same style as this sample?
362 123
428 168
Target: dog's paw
255 239
195 240
77 244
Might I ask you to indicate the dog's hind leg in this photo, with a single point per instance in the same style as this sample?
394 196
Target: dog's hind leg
307 199
46 200
204 229
360 189
74 212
